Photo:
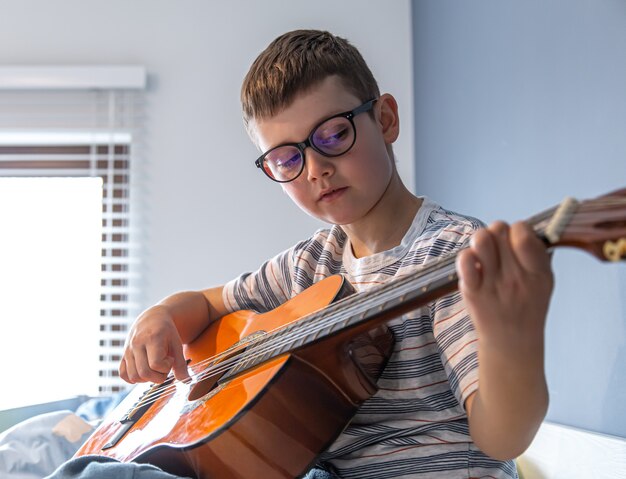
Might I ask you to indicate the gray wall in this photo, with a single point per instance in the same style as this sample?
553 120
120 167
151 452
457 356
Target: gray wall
208 213
519 104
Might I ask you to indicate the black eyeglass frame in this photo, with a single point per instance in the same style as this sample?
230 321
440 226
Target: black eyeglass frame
349 115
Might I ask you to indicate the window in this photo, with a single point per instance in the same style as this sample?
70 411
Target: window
82 125
49 284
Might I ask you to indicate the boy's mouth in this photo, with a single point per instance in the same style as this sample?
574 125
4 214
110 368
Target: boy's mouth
331 193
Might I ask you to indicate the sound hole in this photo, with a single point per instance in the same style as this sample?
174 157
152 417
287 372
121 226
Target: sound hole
204 387
209 379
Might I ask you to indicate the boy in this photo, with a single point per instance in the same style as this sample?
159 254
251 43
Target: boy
464 391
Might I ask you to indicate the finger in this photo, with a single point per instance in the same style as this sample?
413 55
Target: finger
157 358
122 370
166 358
179 364
483 246
507 259
145 372
129 364
469 271
531 252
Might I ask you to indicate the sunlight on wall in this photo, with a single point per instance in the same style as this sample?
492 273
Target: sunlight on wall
50 259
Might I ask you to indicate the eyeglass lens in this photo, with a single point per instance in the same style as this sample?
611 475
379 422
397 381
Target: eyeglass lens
332 138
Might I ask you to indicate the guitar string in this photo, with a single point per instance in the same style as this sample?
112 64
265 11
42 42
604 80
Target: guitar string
306 330
308 326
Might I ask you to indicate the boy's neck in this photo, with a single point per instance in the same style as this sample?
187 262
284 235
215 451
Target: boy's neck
386 223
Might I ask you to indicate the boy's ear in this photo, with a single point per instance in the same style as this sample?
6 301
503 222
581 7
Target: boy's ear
388 118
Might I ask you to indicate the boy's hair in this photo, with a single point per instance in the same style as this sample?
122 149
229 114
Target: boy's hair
297 61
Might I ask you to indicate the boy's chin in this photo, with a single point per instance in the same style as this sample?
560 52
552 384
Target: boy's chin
328 219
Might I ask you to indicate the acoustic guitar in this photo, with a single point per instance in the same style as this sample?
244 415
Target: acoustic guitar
269 392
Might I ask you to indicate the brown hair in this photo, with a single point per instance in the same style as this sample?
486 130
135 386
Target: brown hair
297 61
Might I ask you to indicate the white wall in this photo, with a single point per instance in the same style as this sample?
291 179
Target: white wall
209 214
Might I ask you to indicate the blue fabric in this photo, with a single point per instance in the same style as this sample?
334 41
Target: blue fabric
96 408
30 449
101 467
319 474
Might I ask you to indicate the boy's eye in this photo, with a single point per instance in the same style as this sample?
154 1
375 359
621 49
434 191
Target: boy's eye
288 162
333 135
330 138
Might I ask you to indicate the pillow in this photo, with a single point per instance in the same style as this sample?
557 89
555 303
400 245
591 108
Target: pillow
35 447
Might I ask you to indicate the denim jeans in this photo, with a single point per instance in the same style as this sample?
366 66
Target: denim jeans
100 467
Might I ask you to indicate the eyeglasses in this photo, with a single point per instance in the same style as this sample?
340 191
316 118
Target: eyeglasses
332 137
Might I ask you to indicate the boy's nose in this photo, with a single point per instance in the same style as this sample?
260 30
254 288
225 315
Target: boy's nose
317 165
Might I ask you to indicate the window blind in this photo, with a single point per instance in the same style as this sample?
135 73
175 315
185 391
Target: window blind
86 129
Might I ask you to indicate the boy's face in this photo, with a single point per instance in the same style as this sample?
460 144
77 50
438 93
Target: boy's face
343 189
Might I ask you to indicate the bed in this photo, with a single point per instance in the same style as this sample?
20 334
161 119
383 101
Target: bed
35 440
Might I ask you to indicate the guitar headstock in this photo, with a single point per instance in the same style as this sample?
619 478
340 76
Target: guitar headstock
596 225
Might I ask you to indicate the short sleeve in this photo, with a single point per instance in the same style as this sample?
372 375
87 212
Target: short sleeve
458 344
286 274
452 325
264 289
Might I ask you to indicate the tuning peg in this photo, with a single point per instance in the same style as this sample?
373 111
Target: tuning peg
615 250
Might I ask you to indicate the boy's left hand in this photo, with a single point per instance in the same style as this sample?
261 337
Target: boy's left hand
506 280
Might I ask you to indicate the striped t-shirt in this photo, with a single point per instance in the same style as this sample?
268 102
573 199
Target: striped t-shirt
415 426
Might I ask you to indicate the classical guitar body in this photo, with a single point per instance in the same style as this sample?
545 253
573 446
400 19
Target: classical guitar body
271 421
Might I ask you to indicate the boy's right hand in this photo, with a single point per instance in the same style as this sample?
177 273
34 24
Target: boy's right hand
153 348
